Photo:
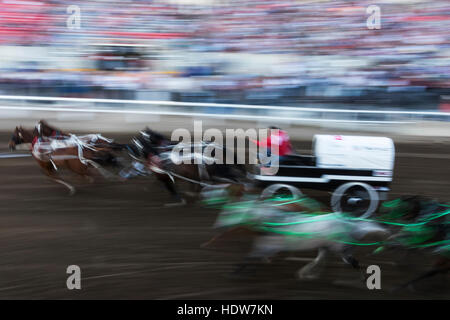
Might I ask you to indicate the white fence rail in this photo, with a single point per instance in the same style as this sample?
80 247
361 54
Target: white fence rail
216 110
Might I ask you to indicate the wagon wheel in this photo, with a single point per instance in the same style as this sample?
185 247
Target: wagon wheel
357 198
281 189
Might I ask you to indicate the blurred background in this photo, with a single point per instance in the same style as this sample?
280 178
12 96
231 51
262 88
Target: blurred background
308 66
314 53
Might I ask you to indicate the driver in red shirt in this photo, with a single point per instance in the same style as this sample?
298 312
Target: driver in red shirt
278 137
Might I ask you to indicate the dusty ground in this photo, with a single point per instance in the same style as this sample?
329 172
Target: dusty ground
129 245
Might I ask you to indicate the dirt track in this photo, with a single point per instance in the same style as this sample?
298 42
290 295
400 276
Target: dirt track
129 245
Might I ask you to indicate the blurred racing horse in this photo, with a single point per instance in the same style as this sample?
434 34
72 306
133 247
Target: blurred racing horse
292 225
67 151
166 161
419 223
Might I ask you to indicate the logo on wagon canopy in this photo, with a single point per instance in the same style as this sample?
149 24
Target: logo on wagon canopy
228 149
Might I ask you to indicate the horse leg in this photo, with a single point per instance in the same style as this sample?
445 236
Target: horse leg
348 258
170 186
264 248
51 172
80 169
71 188
307 271
85 176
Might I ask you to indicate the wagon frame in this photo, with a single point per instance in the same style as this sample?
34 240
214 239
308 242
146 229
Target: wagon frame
357 170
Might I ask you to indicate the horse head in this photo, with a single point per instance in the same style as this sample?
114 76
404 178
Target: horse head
15 139
145 143
19 136
153 137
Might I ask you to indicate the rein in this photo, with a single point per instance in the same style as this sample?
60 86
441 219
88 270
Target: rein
71 141
171 174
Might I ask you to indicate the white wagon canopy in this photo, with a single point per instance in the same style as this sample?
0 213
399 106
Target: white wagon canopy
355 152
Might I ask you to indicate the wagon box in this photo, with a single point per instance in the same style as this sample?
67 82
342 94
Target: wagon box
356 169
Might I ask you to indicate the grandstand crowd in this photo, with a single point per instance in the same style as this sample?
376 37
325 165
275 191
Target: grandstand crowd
287 50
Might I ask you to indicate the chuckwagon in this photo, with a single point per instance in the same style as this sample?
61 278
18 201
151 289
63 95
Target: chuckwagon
356 169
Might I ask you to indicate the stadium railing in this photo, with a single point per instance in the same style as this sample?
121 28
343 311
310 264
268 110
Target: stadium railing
217 110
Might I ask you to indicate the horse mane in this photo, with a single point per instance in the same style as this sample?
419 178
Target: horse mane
155 134
26 132
45 126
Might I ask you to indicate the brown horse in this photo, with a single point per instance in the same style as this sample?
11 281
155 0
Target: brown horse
172 168
68 153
